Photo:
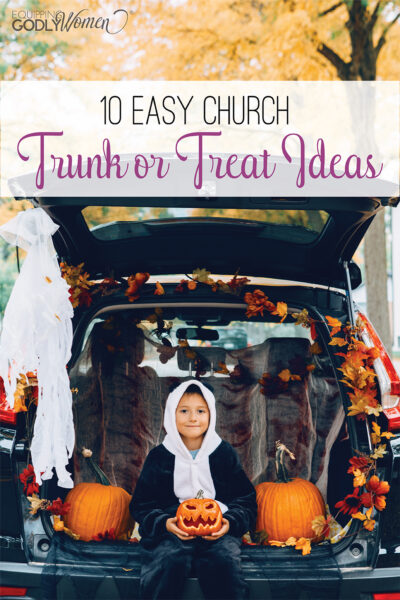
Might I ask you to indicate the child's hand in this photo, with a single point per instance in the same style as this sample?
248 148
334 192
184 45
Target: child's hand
224 529
173 528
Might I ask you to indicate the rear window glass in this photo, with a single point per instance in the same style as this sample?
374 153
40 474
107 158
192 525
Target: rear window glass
105 221
237 335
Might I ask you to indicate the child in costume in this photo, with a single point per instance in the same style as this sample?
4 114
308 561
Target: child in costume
192 457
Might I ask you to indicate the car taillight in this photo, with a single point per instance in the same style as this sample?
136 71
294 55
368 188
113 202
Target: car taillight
387 596
389 380
7 415
6 590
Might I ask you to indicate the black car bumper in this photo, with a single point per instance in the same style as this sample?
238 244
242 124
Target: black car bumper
354 584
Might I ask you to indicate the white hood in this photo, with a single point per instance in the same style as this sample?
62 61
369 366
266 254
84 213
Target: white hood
191 475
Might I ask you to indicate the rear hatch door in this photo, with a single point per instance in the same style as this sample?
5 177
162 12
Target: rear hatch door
296 239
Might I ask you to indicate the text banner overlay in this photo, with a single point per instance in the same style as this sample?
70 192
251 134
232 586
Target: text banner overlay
186 139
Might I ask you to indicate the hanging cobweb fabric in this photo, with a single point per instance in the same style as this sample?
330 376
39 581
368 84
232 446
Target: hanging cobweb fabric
37 336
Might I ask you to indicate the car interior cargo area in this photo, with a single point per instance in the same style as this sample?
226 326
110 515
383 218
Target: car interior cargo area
272 382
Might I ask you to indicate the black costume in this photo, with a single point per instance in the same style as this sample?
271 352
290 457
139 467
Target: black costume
167 560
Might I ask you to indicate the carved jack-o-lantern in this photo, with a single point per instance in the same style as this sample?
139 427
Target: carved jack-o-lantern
199 516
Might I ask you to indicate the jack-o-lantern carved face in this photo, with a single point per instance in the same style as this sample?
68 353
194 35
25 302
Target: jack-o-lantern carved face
199 516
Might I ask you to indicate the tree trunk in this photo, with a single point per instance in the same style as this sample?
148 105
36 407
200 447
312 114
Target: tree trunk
362 66
376 280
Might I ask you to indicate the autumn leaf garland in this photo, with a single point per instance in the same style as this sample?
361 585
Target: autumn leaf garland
360 378
357 371
79 284
82 289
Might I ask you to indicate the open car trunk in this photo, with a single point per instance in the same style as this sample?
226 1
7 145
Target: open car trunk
123 374
123 366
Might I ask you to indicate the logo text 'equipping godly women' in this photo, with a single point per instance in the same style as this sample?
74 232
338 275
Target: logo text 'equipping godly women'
59 20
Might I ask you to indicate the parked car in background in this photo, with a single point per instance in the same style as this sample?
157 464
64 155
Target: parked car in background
231 338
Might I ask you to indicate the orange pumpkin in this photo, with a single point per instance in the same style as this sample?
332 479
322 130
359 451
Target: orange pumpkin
97 508
199 516
287 507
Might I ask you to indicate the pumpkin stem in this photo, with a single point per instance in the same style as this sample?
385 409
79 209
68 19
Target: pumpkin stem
100 475
281 471
200 495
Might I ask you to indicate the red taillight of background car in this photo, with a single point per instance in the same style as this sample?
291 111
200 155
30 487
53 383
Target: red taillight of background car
7 415
387 596
389 380
6 590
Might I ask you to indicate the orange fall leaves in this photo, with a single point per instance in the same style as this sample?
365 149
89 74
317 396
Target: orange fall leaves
135 282
79 284
257 302
359 376
356 368
321 526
